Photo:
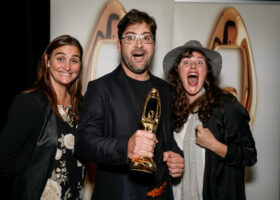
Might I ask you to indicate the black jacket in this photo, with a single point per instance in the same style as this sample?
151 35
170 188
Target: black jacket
109 116
27 146
224 177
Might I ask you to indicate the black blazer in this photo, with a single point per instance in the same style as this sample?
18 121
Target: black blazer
224 177
27 146
109 116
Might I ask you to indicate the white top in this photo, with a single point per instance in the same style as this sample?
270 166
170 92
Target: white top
179 138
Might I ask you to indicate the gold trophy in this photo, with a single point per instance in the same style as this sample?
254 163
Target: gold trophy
149 120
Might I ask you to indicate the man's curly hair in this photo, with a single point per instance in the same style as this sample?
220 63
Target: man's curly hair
181 108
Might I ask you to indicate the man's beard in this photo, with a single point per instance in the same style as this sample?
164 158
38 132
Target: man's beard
133 68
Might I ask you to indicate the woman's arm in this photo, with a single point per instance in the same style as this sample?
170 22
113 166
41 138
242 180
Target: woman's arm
24 118
241 149
232 140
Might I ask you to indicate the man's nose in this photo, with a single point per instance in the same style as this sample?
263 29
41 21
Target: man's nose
139 42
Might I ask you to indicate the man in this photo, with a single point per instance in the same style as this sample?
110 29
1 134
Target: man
109 132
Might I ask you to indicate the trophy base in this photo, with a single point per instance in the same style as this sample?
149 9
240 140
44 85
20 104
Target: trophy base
143 165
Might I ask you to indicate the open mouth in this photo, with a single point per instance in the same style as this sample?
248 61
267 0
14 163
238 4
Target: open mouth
192 78
138 55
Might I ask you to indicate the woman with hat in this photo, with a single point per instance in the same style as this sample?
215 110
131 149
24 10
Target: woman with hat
209 125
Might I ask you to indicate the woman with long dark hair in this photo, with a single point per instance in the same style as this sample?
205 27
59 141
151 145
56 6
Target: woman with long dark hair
209 125
36 145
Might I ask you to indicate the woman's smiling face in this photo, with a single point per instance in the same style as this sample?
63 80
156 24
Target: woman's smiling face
64 64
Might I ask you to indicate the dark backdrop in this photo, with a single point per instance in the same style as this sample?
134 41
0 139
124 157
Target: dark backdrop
25 30
25 33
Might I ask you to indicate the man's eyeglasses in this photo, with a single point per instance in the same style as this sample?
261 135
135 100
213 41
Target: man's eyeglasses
131 38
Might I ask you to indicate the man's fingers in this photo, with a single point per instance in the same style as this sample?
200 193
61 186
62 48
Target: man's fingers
165 156
174 162
175 170
142 144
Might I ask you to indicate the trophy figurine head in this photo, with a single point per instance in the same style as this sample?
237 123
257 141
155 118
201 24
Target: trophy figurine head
151 111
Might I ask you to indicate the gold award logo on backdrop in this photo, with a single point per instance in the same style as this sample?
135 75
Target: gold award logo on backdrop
106 31
230 32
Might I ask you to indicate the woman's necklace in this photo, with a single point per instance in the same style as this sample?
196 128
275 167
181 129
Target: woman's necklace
66 114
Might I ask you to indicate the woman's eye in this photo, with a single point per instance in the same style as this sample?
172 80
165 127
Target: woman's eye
200 62
59 59
186 62
75 61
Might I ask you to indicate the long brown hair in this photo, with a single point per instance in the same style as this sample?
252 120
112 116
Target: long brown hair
181 108
43 81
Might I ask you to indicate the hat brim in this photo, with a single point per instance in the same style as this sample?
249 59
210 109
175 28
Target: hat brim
213 58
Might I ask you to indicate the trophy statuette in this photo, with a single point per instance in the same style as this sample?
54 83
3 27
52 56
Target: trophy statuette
149 120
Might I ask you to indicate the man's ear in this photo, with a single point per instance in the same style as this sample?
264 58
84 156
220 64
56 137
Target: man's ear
119 45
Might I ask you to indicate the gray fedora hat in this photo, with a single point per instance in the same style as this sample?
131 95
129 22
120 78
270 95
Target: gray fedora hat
213 57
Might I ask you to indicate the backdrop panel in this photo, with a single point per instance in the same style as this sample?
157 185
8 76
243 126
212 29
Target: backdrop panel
179 22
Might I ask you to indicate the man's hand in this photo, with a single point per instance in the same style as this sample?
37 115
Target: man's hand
175 163
141 144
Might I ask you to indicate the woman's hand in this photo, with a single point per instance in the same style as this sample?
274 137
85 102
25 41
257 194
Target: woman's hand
206 139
